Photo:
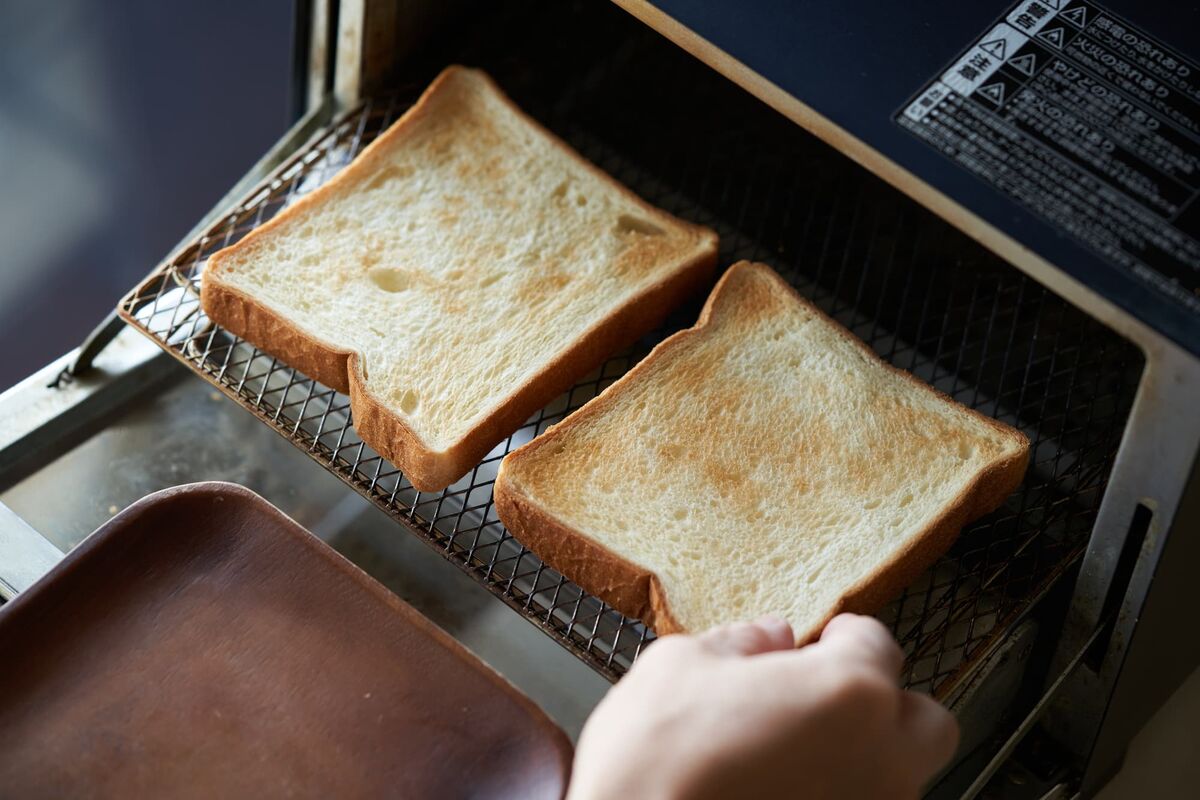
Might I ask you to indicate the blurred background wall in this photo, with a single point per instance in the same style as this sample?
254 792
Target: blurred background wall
121 123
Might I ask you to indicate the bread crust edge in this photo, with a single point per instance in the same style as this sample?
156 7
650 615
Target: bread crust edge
636 591
428 469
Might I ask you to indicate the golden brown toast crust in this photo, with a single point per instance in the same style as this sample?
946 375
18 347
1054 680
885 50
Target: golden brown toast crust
339 368
637 592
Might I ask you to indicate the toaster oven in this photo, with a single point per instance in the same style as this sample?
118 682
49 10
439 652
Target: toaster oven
999 199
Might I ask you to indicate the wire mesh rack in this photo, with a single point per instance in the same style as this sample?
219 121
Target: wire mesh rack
917 291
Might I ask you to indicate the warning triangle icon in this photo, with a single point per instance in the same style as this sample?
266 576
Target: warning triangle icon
1026 64
1054 36
1077 16
1054 4
993 92
996 48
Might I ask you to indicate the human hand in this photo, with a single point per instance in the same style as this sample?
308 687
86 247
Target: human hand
738 712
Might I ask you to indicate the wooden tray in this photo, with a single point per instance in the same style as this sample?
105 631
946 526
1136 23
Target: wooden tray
202 644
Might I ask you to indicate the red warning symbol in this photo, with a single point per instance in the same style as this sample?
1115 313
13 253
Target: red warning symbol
1053 36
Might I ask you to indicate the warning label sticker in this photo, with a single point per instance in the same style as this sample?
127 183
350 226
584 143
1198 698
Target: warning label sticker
1089 122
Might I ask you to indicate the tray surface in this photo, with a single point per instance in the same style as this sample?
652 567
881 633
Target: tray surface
203 644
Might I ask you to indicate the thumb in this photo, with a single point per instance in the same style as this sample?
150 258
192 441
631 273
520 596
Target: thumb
764 635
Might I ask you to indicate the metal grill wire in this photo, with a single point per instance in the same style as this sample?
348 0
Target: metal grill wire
917 291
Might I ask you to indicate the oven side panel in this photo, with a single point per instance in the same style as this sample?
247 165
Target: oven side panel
1163 648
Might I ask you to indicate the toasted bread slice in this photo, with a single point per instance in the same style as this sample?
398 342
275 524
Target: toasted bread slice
466 268
763 462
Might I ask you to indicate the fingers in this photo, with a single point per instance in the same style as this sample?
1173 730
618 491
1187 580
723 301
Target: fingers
764 635
929 733
863 639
